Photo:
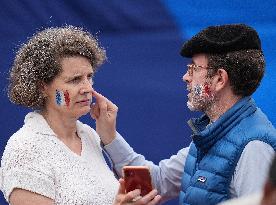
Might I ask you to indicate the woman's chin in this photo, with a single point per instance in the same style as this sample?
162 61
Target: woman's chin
82 112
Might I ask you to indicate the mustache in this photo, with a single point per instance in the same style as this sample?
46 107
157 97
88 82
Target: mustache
189 88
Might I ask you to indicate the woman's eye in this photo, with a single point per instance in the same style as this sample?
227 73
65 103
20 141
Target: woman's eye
90 79
75 80
90 76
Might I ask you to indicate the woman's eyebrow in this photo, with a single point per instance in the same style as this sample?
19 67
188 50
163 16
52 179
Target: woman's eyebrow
71 76
76 75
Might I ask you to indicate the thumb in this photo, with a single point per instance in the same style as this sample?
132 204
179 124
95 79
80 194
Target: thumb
122 189
95 111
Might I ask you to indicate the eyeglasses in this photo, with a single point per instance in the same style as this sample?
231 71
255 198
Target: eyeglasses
193 67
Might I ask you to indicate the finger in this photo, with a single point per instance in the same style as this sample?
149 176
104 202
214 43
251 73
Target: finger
132 195
156 200
120 193
111 106
148 198
95 111
98 96
102 102
122 189
109 102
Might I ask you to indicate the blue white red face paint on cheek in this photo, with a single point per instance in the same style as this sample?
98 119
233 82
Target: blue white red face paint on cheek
62 98
202 90
207 89
198 89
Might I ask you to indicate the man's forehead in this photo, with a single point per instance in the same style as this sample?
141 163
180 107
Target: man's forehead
199 58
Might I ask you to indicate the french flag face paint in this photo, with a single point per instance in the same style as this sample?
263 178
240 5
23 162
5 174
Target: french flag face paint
66 98
62 98
207 90
198 90
202 90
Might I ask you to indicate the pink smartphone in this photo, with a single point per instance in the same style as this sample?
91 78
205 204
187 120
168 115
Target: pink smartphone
137 177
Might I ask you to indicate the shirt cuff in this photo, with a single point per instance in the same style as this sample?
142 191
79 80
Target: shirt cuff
118 150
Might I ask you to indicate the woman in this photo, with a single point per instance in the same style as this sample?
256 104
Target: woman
54 158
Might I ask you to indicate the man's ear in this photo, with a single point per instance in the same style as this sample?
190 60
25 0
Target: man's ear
221 79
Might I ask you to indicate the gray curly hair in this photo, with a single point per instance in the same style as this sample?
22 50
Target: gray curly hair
38 61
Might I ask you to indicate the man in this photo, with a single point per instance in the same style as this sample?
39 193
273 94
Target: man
232 143
266 197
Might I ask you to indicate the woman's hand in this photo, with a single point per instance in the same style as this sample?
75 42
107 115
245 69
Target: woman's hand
105 114
134 198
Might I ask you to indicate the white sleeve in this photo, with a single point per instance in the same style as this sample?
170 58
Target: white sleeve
25 166
252 169
252 199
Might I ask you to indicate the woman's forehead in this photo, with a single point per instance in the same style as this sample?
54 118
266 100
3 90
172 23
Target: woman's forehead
75 65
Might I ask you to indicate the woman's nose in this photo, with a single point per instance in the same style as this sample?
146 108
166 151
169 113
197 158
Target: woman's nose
87 87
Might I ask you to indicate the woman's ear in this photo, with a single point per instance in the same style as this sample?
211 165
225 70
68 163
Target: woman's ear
221 79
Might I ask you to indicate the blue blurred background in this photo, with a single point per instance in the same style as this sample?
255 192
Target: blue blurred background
144 69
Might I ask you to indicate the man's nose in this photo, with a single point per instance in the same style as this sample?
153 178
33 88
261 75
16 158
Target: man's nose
186 77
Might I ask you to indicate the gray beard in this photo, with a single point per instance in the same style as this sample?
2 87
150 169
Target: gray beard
201 105
191 106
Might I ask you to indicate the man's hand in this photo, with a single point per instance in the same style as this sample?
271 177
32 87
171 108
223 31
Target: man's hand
134 198
105 113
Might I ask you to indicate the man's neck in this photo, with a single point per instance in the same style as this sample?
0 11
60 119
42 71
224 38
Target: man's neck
221 105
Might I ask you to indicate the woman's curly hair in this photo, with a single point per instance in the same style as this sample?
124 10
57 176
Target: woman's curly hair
38 61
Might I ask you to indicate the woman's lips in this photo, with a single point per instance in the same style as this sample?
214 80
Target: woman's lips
84 102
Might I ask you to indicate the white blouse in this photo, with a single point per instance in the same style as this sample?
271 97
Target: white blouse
36 160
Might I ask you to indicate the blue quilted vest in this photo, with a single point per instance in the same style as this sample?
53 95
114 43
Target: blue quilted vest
216 149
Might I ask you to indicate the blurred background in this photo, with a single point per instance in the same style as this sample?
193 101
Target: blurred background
143 73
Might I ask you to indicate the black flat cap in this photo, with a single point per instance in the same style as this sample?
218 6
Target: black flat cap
222 39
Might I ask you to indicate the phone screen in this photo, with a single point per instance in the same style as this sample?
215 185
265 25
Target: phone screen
137 177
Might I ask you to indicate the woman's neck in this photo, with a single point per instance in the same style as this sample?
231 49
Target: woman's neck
62 125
